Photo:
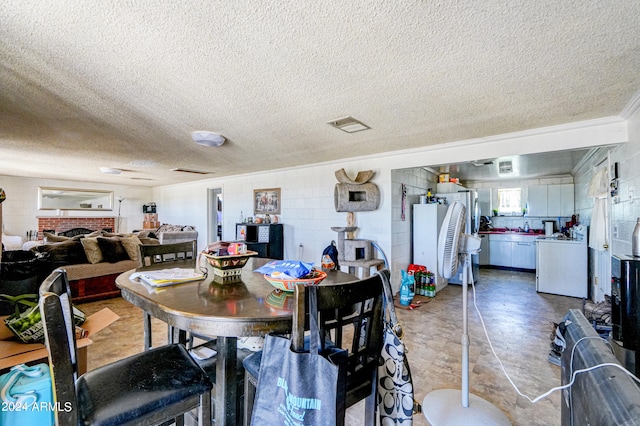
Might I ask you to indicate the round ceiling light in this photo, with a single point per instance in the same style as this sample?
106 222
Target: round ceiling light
207 138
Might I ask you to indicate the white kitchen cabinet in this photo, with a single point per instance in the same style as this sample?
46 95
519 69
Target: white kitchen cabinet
512 251
500 252
560 200
537 200
551 200
524 254
484 255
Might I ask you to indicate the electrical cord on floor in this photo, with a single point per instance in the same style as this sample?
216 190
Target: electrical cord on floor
550 391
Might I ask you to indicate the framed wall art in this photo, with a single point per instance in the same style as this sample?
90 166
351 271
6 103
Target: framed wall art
266 201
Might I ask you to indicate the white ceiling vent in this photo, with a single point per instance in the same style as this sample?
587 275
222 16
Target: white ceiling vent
505 167
348 124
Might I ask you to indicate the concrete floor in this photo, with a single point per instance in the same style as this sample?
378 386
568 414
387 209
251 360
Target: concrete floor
519 323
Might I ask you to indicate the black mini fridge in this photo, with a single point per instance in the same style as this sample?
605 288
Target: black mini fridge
625 319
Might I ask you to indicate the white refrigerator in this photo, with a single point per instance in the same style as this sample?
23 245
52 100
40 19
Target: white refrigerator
426 224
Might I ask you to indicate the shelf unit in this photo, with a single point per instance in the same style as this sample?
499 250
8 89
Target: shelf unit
266 239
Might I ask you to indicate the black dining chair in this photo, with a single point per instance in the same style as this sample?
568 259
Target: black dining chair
351 316
151 254
160 253
144 389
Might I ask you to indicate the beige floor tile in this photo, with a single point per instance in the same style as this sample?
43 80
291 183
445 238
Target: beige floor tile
518 320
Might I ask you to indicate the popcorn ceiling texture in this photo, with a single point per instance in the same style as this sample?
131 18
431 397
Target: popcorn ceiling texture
123 84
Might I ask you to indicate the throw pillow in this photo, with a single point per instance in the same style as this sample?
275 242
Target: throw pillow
91 249
112 234
132 246
64 253
94 234
112 249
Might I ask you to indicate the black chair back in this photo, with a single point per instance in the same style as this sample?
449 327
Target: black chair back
351 315
158 253
151 254
60 338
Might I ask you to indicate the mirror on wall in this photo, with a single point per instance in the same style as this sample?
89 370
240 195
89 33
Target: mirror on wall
74 199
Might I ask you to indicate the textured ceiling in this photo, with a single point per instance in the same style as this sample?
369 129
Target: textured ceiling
123 84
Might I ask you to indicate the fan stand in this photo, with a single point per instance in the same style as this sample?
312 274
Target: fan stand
452 407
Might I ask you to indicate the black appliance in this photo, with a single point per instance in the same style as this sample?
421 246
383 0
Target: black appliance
485 223
625 302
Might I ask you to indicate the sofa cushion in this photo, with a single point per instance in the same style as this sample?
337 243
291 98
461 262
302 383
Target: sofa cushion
92 250
88 270
112 249
132 246
53 238
64 253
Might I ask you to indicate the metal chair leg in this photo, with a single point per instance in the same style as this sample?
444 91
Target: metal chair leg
249 397
146 320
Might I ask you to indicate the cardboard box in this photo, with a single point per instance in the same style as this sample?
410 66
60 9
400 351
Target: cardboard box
14 352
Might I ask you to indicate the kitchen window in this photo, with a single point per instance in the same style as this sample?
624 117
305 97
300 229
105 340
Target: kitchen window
509 201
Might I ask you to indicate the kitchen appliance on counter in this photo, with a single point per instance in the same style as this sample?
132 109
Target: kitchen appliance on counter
469 198
561 266
485 223
426 222
625 301
549 226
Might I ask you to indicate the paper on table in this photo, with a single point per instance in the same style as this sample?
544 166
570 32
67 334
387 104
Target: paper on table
164 277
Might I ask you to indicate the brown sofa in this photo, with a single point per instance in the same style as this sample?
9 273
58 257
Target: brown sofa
93 261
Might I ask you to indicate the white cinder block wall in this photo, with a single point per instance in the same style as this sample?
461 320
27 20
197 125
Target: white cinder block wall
307 205
417 181
627 210
624 210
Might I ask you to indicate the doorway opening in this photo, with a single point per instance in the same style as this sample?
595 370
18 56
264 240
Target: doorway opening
214 215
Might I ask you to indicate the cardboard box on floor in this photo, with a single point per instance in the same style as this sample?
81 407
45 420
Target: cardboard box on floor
14 352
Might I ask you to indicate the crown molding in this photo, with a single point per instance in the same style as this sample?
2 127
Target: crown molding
632 106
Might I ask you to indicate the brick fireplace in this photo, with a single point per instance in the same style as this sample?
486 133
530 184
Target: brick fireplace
61 224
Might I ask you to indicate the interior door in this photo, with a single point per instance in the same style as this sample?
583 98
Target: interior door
601 283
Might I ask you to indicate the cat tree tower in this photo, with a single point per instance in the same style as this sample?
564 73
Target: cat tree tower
354 195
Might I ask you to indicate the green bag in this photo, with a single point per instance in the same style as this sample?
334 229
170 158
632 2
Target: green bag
26 322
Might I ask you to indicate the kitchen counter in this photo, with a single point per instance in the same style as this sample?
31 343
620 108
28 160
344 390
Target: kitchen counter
502 231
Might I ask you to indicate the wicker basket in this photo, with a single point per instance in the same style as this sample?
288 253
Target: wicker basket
289 285
228 269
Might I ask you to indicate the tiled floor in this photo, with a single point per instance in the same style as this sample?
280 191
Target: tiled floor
518 319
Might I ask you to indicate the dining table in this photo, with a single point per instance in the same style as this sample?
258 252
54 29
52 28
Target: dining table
226 311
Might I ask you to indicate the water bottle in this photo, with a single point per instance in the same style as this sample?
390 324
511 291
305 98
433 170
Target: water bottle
635 240
526 227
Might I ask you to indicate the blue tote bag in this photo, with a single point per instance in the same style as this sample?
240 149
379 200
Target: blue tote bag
300 388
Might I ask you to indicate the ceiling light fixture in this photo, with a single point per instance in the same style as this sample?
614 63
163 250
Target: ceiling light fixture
110 171
205 138
348 124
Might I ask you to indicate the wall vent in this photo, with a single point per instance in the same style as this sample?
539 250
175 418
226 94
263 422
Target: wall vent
505 167
192 171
